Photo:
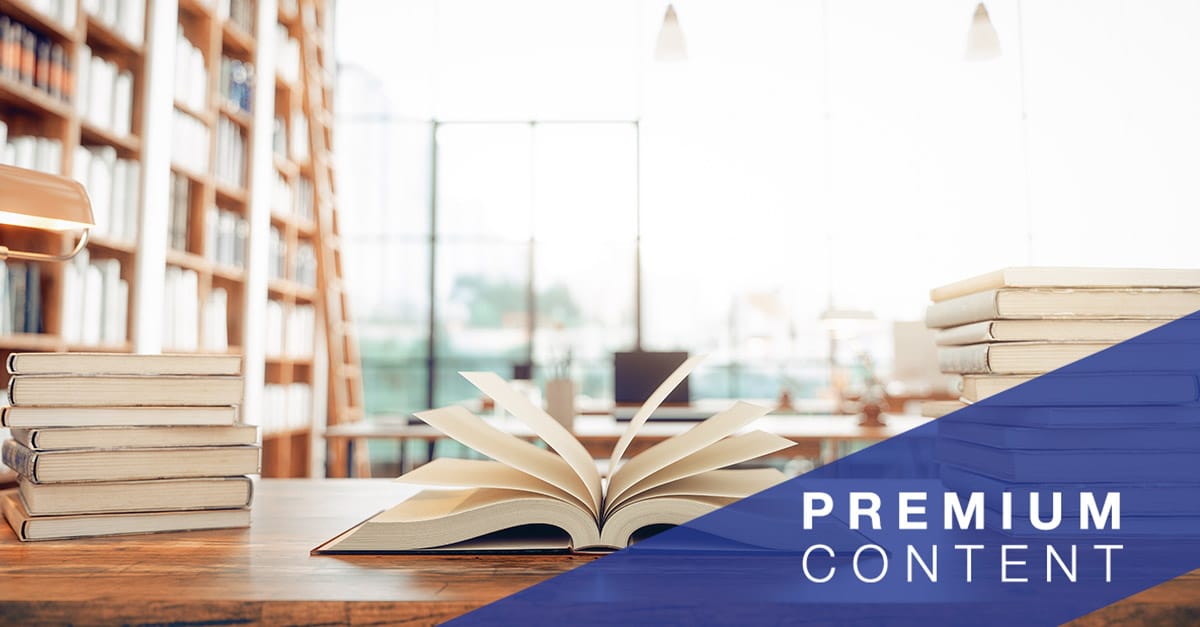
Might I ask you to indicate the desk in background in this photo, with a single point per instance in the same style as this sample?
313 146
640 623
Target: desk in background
822 437
265 575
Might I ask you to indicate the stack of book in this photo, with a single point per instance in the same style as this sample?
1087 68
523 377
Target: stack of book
1123 420
1001 329
108 444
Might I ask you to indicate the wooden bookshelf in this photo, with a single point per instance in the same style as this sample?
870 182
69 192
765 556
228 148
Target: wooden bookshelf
288 444
152 253
32 111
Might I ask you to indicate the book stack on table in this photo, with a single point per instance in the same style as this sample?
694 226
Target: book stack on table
1123 418
108 444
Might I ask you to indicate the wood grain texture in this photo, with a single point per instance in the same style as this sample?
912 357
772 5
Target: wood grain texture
265 575
261 575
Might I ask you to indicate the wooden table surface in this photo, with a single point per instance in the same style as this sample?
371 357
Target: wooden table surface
265 574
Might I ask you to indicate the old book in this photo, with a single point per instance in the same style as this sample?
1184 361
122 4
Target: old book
47 499
60 438
124 391
80 364
1013 358
1039 277
75 416
474 505
1099 389
30 528
129 464
1045 331
1036 304
937 409
1046 466
1143 437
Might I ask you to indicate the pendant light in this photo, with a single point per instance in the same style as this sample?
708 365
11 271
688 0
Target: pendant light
983 43
671 47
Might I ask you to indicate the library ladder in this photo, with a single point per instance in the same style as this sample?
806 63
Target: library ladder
345 398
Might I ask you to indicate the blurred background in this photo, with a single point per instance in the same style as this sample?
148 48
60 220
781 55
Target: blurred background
779 188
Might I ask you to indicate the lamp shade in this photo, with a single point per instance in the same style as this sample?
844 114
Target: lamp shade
43 201
982 41
670 46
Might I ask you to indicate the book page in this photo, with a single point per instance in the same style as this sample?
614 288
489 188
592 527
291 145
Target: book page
660 394
676 448
544 426
471 431
718 483
476 473
727 452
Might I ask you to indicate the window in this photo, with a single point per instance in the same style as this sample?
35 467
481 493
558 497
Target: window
797 162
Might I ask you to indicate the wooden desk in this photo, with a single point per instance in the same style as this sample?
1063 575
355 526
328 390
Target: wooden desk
822 437
264 575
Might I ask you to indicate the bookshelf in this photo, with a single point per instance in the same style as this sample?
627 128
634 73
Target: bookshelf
71 103
183 178
292 281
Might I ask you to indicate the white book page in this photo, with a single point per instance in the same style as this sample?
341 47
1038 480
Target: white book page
448 472
544 426
719 483
727 452
676 448
470 430
660 394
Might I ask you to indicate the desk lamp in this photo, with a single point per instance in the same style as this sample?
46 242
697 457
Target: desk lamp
46 202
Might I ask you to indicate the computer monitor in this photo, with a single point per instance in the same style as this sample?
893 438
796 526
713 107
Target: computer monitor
636 374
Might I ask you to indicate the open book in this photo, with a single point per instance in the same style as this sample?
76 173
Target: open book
533 499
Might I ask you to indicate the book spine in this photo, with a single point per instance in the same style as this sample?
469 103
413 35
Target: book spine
972 359
965 310
966 334
20 459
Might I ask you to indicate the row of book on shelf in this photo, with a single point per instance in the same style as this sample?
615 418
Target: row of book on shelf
32 152
231 153
95 308
286 407
29 57
294 198
105 93
112 184
188 324
21 296
126 17
190 147
237 83
108 444
191 75
1106 412
290 332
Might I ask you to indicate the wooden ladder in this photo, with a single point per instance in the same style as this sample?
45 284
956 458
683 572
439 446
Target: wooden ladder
345 396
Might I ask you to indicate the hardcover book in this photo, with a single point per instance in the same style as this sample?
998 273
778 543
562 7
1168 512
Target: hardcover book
64 438
30 528
52 499
129 464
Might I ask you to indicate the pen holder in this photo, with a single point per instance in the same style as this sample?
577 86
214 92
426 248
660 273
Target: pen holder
560 401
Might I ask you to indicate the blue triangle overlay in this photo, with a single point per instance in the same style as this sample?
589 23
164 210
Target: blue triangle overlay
1125 421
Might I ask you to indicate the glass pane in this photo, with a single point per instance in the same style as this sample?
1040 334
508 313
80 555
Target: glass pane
389 290
453 388
482 301
585 182
483 181
392 386
383 177
584 302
